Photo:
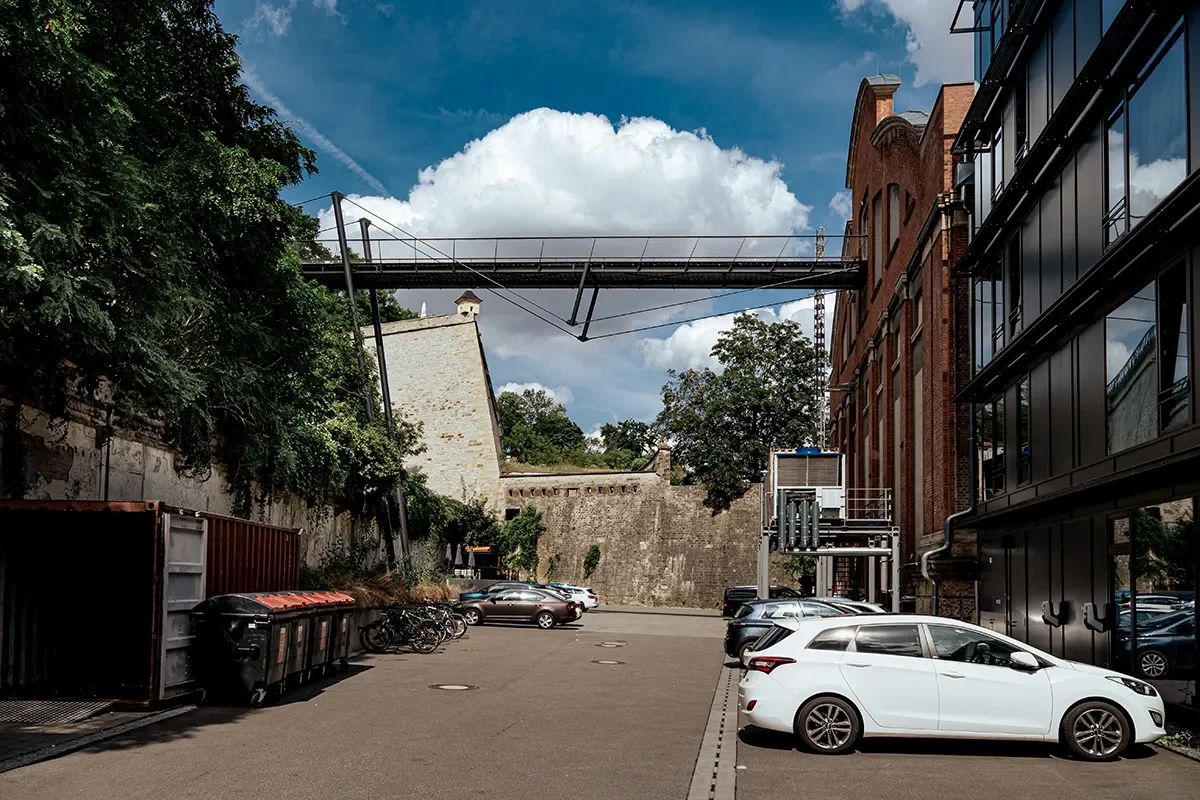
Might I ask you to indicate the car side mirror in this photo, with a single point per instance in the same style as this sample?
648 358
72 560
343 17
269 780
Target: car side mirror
492 599
1024 661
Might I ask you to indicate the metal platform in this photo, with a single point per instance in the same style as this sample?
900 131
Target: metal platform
603 262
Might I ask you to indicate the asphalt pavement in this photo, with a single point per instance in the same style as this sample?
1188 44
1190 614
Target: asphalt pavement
544 720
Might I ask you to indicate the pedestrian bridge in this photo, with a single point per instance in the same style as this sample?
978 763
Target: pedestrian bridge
784 261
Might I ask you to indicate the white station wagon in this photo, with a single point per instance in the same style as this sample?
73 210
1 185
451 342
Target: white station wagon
832 680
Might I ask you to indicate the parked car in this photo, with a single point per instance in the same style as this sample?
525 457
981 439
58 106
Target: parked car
735 596
1125 618
543 608
1165 644
833 680
501 586
1162 603
580 594
756 617
860 606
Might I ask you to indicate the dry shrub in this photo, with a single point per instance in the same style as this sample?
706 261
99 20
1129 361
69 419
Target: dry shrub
389 588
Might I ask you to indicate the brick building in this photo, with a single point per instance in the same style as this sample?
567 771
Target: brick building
899 342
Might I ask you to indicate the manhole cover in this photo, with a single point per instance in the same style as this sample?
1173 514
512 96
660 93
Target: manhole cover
453 687
617 642
609 644
609 663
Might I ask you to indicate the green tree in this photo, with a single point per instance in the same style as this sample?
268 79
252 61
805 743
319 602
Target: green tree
517 541
145 260
800 565
536 429
723 424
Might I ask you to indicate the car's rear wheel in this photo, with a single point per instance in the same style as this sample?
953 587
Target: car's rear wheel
746 648
1152 663
473 617
828 725
546 620
1096 731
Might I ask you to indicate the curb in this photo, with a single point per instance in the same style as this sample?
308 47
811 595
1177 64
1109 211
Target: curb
80 742
1186 752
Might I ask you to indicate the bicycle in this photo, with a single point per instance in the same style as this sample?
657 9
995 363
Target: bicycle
400 627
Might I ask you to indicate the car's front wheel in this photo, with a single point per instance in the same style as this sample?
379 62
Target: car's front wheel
828 725
472 617
1096 731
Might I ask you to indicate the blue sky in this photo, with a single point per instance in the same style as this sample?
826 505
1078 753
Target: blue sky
384 90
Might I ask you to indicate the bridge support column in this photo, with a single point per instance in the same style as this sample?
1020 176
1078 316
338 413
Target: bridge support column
764 567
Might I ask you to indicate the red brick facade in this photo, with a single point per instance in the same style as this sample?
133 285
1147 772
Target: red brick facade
898 345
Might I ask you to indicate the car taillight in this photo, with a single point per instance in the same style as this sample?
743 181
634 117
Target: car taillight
737 624
768 663
591 597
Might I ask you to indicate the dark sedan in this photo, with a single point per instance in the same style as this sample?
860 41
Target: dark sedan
757 616
1165 644
544 609
735 596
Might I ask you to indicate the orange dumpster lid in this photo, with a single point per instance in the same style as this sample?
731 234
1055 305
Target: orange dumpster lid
277 601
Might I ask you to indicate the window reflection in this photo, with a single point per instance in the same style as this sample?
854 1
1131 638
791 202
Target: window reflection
1132 380
1109 9
989 435
1173 350
1154 590
1158 133
1146 140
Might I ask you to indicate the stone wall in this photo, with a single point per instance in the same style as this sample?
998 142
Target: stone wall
46 459
658 543
437 374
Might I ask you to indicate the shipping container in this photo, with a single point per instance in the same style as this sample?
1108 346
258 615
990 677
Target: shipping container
95 596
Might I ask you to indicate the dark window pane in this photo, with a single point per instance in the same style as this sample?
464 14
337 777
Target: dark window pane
1154 585
892 640
1023 452
1115 222
1109 9
1012 266
877 236
1132 389
893 214
1173 348
998 430
1158 134
970 647
1062 52
833 639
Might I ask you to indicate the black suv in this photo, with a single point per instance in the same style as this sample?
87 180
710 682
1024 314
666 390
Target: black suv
735 596
756 617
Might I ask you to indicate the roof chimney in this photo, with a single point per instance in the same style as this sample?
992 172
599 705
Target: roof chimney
468 304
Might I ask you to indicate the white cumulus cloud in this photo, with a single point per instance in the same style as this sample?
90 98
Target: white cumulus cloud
689 346
560 393
938 55
840 204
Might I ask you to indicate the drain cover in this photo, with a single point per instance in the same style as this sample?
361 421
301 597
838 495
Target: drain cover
608 663
453 687
50 712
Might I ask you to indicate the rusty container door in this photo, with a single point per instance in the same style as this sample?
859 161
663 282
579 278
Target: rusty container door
245 556
184 540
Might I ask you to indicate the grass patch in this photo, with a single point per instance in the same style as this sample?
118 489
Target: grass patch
560 469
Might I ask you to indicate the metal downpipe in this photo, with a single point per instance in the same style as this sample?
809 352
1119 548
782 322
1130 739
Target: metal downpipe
948 534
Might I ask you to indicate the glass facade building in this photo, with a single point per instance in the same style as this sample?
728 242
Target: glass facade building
1083 267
